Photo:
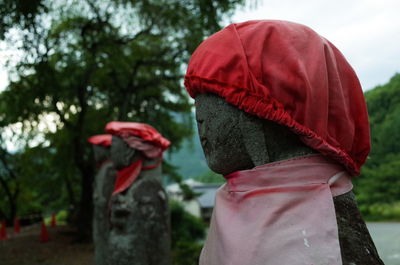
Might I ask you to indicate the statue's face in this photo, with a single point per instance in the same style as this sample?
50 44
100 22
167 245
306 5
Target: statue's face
143 200
121 153
122 210
220 134
101 153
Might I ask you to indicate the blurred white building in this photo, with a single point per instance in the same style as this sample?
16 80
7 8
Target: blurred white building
202 205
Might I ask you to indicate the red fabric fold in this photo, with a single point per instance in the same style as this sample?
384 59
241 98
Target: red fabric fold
101 139
126 176
278 213
287 73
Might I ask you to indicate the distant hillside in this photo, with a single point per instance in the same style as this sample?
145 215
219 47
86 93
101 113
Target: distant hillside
190 159
384 112
379 182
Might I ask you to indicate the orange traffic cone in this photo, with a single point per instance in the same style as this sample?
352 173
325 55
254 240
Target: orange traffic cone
3 231
53 220
17 226
44 235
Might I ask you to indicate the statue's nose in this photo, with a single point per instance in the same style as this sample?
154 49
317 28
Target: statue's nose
119 200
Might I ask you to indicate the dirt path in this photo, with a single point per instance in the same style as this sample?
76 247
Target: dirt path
25 248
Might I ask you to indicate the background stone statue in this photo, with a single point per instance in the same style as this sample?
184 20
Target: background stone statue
140 232
233 140
102 189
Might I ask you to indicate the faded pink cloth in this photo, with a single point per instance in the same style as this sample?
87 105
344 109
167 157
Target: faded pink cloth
147 148
281 213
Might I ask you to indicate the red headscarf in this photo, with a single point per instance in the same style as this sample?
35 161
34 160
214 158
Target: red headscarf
287 73
101 139
142 137
141 130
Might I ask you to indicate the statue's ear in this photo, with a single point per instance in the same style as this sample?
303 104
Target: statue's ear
254 139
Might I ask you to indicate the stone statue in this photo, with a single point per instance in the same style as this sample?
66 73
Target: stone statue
248 141
281 114
140 225
102 189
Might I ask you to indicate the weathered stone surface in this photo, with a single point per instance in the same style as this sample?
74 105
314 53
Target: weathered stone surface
140 232
102 189
233 140
355 241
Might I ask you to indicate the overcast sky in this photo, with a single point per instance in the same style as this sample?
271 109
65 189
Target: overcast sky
367 32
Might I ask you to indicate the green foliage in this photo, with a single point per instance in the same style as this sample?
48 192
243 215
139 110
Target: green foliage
190 158
381 212
61 218
378 187
85 63
188 234
186 253
384 110
19 12
10 187
380 184
210 177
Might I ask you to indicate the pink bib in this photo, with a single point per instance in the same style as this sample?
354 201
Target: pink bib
280 213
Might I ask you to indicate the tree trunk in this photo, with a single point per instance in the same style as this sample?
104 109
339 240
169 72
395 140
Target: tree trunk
85 210
70 191
12 200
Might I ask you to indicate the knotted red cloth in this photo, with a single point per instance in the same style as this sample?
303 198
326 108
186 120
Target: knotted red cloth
126 176
142 137
287 73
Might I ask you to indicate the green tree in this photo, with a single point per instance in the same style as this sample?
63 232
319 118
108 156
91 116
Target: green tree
379 183
210 177
384 108
19 12
10 185
84 63
188 233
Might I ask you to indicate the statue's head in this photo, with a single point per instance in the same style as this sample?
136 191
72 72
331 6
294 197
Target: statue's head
234 140
101 147
122 154
132 141
269 90
136 151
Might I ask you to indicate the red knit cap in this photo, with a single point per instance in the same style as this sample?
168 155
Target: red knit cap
286 72
101 139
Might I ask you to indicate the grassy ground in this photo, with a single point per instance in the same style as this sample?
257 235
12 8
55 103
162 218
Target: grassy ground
25 248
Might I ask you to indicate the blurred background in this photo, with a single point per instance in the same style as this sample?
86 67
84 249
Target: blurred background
67 67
